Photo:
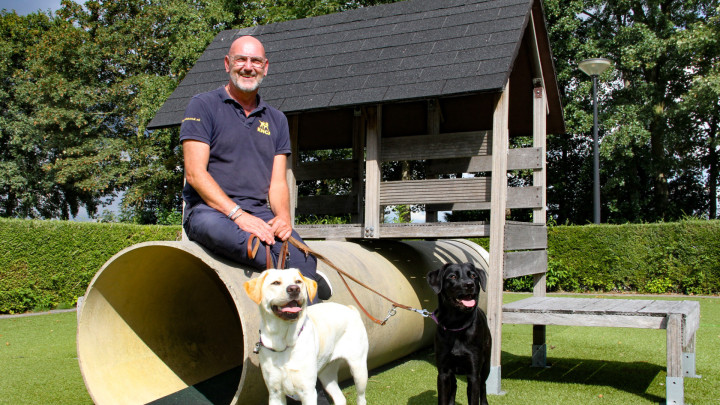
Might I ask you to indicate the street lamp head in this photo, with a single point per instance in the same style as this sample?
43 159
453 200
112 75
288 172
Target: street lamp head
595 66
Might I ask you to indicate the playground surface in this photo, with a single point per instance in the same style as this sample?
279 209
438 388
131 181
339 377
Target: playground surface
38 364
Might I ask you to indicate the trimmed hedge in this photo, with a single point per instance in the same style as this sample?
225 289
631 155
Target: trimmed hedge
49 264
679 257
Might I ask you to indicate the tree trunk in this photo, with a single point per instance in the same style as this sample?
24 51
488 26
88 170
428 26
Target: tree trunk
713 167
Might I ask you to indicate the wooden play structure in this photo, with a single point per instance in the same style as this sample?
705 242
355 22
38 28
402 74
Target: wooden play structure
448 84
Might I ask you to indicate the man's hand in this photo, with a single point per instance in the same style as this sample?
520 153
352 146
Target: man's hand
281 228
250 223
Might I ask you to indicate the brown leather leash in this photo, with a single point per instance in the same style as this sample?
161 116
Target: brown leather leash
252 249
306 249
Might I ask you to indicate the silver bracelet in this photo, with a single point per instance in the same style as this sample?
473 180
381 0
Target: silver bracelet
236 216
233 211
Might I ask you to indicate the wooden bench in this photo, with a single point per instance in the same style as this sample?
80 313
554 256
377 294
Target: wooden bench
681 319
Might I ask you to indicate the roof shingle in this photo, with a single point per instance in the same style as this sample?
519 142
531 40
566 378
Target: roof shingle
406 50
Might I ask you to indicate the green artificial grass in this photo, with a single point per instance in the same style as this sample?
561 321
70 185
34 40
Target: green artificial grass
38 365
38 361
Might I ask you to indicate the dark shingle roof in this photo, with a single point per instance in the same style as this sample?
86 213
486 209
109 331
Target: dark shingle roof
407 50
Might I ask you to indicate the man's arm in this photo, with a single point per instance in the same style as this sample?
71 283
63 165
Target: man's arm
196 155
279 195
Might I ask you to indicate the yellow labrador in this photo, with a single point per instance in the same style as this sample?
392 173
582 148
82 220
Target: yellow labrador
299 343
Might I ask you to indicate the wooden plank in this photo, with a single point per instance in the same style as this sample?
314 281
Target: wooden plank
498 206
373 174
440 146
518 197
436 230
539 176
525 262
358 183
629 306
523 304
661 307
674 345
525 158
523 235
579 305
327 204
435 191
434 118
564 319
399 231
342 231
524 197
691 322
333 169
518 159
612 306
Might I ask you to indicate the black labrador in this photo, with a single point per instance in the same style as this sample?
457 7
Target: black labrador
462 340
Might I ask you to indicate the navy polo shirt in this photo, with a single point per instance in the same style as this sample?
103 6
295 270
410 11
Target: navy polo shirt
242 149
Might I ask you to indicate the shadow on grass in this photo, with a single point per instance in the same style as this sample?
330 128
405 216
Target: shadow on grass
631 377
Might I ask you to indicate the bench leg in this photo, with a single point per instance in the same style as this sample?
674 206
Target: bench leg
539 349
492 384
675 393
688 359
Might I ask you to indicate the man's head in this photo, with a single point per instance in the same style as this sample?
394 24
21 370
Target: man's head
246 64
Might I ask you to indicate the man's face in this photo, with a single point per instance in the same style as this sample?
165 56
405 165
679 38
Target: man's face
246 65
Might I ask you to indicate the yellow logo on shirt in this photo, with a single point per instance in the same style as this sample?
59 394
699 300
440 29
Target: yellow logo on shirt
264 128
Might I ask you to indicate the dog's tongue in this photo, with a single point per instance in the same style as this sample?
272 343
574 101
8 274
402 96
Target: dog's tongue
292 308
468 303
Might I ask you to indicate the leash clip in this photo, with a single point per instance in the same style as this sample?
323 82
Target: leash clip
424 312
391 312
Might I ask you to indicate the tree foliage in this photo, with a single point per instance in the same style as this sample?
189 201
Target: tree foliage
657 109
77 89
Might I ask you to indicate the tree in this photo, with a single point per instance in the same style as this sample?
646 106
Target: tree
85 85
26 189
90 84
700 105
647 156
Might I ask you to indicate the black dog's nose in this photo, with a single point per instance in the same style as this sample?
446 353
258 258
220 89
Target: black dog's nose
293 289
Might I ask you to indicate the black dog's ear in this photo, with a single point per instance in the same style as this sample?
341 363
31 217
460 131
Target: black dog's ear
434 278
483 279
482 276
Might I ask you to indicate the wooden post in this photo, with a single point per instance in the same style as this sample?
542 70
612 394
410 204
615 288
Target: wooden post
498 204
359 157
539 350
373 174
433 128
674 390
293 124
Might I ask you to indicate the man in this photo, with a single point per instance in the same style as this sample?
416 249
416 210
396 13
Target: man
235 150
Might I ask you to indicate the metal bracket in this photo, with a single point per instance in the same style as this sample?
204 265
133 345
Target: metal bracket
674 392
539 356
492 384
688 365
369 232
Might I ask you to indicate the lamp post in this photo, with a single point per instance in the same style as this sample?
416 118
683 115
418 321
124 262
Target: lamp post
594 67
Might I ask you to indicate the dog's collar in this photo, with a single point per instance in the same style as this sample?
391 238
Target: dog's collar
433 316
260 343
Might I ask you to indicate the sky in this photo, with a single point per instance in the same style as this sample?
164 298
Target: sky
25 7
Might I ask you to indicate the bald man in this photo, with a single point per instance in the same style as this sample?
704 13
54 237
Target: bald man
235 149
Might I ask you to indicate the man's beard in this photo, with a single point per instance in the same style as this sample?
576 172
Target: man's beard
237 81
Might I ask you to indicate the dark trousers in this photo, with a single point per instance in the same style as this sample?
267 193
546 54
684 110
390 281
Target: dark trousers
216 232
